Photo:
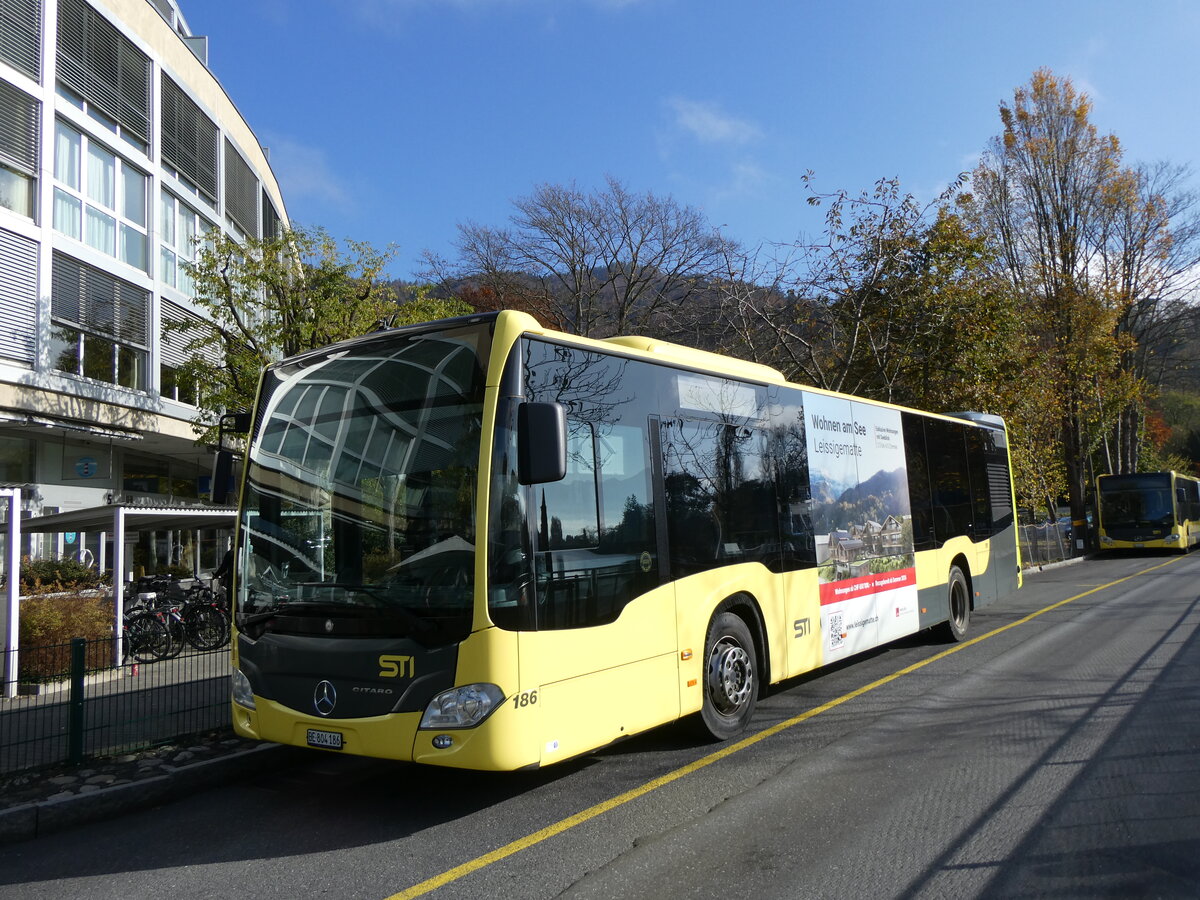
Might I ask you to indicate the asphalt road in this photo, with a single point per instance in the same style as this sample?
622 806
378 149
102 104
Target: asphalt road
1058 755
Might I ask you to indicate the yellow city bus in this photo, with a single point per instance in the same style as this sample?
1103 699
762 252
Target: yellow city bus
1148 510
484 544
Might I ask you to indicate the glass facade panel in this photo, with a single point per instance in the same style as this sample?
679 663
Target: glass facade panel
166 266
16 191
166 219
64 349
67 213
66 155
101 176
101 231
134 185
98 357
133 247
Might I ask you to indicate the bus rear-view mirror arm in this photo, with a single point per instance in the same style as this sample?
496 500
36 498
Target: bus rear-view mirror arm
541 443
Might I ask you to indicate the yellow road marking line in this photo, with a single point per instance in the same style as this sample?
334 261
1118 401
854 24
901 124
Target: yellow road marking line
563 825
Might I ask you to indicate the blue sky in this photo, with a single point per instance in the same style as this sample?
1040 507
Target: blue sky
392 121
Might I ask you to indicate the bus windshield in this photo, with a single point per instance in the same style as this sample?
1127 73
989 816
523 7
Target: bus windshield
1143 500
360 488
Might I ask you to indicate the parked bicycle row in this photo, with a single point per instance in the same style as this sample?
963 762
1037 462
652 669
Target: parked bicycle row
162 617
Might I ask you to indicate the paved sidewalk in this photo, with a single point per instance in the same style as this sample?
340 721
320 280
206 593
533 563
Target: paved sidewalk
36 804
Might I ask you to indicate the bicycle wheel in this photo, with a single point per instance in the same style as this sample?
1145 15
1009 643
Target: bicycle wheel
205 626
146 637
175 630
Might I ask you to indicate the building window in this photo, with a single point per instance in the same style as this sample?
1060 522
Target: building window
241 192
176 387
190 141
17 460
98 325
21 36
103 73
20 117
271 223
145 475
181 229
99 198
174 353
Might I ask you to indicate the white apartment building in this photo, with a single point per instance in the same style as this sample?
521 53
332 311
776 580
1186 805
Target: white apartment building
118 150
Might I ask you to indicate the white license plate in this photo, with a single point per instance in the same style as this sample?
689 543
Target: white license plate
328 740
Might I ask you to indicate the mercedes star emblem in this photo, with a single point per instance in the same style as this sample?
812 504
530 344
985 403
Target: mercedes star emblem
324 698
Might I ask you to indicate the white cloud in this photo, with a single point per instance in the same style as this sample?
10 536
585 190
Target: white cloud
709 124
746 178
305 175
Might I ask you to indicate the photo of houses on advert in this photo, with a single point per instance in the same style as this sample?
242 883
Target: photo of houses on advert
862 521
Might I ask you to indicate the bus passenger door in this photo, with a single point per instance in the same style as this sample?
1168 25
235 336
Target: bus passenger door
602 653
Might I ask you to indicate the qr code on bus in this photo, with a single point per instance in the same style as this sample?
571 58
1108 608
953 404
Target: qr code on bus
836 633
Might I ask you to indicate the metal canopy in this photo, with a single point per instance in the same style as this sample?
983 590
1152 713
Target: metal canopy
115 519
136 518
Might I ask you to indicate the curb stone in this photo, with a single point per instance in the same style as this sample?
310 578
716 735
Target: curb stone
44 817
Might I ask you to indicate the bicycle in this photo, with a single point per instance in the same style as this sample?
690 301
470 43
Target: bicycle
204 618
145 636
193 617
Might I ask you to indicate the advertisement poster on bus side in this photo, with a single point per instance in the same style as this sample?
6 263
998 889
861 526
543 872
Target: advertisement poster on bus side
863 524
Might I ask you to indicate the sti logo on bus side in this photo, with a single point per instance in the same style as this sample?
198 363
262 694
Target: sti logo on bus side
393 666
801 627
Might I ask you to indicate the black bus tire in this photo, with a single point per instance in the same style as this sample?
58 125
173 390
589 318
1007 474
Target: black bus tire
958 595
730 678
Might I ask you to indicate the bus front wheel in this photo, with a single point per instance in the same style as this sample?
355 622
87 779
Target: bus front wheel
959 596
730 678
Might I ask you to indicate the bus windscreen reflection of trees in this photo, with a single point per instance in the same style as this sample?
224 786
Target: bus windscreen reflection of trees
364 479
720 499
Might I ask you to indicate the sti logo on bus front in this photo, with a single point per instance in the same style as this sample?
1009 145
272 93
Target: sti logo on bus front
392 666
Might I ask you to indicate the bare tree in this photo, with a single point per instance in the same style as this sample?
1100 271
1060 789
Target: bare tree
595 264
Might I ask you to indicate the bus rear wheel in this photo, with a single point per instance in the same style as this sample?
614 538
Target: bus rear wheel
959 596
730 678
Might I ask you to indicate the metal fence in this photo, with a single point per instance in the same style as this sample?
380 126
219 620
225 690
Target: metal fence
1046 543
74 707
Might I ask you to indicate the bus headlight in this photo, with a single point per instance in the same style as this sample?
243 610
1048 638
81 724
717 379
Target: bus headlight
243 694
462 707
1169 538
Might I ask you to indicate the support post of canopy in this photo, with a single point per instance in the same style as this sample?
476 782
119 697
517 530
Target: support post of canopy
118 577
12 598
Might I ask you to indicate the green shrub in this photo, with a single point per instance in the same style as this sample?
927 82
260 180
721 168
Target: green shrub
41 575
48 623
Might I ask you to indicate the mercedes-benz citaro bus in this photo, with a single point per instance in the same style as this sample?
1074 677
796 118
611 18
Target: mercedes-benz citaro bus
1148 510
484 544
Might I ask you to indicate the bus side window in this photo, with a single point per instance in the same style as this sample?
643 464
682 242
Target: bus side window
568 533
920 498
596 535
949 474
977 463
721 504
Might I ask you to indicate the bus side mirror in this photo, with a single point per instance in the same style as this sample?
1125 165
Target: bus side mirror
222 474
541 443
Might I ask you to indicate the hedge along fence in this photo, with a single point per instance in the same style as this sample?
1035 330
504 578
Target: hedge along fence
41 576
62 599
48 624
